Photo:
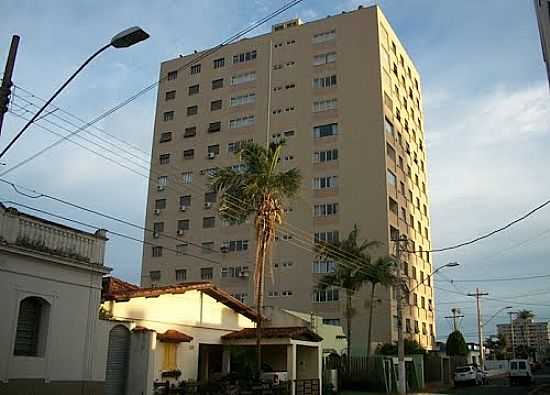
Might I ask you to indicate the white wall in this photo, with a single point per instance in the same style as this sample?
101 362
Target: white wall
73 293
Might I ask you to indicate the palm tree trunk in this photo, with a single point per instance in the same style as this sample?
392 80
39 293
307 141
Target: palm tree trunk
371 311
260 266
348 328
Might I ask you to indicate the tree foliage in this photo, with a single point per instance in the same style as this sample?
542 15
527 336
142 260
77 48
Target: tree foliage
411 347
456 345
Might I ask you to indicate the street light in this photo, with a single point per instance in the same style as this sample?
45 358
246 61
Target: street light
450 264
481 326
124 39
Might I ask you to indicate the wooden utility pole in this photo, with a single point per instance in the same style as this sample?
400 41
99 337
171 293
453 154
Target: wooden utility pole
455 316
5 88
478 294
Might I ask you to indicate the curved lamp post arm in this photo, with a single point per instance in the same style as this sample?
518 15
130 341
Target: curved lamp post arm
450 264
494 315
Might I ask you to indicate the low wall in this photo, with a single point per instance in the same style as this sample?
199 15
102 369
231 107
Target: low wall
497 365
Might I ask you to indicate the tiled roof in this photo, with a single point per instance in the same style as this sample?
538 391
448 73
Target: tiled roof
112 285
296 333
122 291
173 336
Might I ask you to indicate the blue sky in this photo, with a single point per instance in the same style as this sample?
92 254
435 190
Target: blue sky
487 109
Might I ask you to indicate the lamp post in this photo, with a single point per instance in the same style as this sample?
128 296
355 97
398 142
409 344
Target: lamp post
124 39
483 324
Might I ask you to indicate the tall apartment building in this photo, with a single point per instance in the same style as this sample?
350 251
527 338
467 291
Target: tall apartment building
542 9
346 97
526 333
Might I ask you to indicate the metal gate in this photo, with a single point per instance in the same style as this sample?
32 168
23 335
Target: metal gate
117 361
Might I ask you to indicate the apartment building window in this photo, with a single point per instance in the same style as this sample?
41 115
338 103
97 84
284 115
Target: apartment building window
190 132
325 209
154 275
242 122
244 57
160 204
207 273
394 234
187 177
406 268
426 233
158 227
324 37
208 222
165 137
424 330
404 214
210 197
326 237
237 145
392 179
156 251
170 95
218 63
168 116
243 99
164 159
193 90
414 273
207 247
192 110
325 82
325 105
214 127
172 75
390 151
325 156
423 302
327 130
393 205
162 182
331 321
217 84
188 154
325 58
326 295
235 245
234 271
430 307
183 225
196 68
185 201
410 196
388 127
328 182
324 266
215 105
213 150
243 78
414 300
408 325
181 275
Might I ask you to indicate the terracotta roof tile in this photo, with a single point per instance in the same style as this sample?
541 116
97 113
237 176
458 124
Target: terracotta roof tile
173 336
296 333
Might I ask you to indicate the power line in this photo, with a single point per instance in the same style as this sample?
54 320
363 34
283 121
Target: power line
501 279
146 89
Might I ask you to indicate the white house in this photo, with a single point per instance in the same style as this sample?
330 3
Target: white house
50 281
190 332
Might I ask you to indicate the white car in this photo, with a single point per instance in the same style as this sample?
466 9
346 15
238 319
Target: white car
520 372
468 375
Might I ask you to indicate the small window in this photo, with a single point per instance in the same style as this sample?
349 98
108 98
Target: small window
183 224
207 273
190 132
196 68
154 275
160 204
209 222
189 154
156 251
214 149
164 159
215 105
392 179
330 129
210 197
158 227
181 275
170 95
214 127
181 249
172 75
244 57
219 63
243 78
217 84
185 201
193 89
192 110
32 324
165 137
187 177
168 116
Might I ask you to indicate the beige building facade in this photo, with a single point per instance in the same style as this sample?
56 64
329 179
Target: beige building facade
346 97
542 9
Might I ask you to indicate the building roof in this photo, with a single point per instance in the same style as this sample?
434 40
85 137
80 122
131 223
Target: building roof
295 333
123 291
173 336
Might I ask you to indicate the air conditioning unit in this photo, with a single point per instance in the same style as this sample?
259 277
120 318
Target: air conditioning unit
183 208
244 274
157 211
224 249
181 232
202 172
160 188
207 205
211 155
156 235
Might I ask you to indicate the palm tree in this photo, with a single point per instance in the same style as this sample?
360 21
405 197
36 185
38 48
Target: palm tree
348 276
381 272
259 190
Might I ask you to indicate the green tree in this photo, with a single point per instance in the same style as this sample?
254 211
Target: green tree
259 191
456 345
411 347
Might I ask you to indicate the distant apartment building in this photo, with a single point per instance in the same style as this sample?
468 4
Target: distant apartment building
345 95
526 333
542 9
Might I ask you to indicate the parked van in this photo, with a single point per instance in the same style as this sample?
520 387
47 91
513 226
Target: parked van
520 372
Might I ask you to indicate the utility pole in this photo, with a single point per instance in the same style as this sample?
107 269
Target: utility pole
511 313
402 383
478 295
456 314
5 88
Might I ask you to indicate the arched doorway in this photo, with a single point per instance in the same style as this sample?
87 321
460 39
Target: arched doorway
116 373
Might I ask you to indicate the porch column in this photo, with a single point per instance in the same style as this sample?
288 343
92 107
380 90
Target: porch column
320 367
291 366
226 361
